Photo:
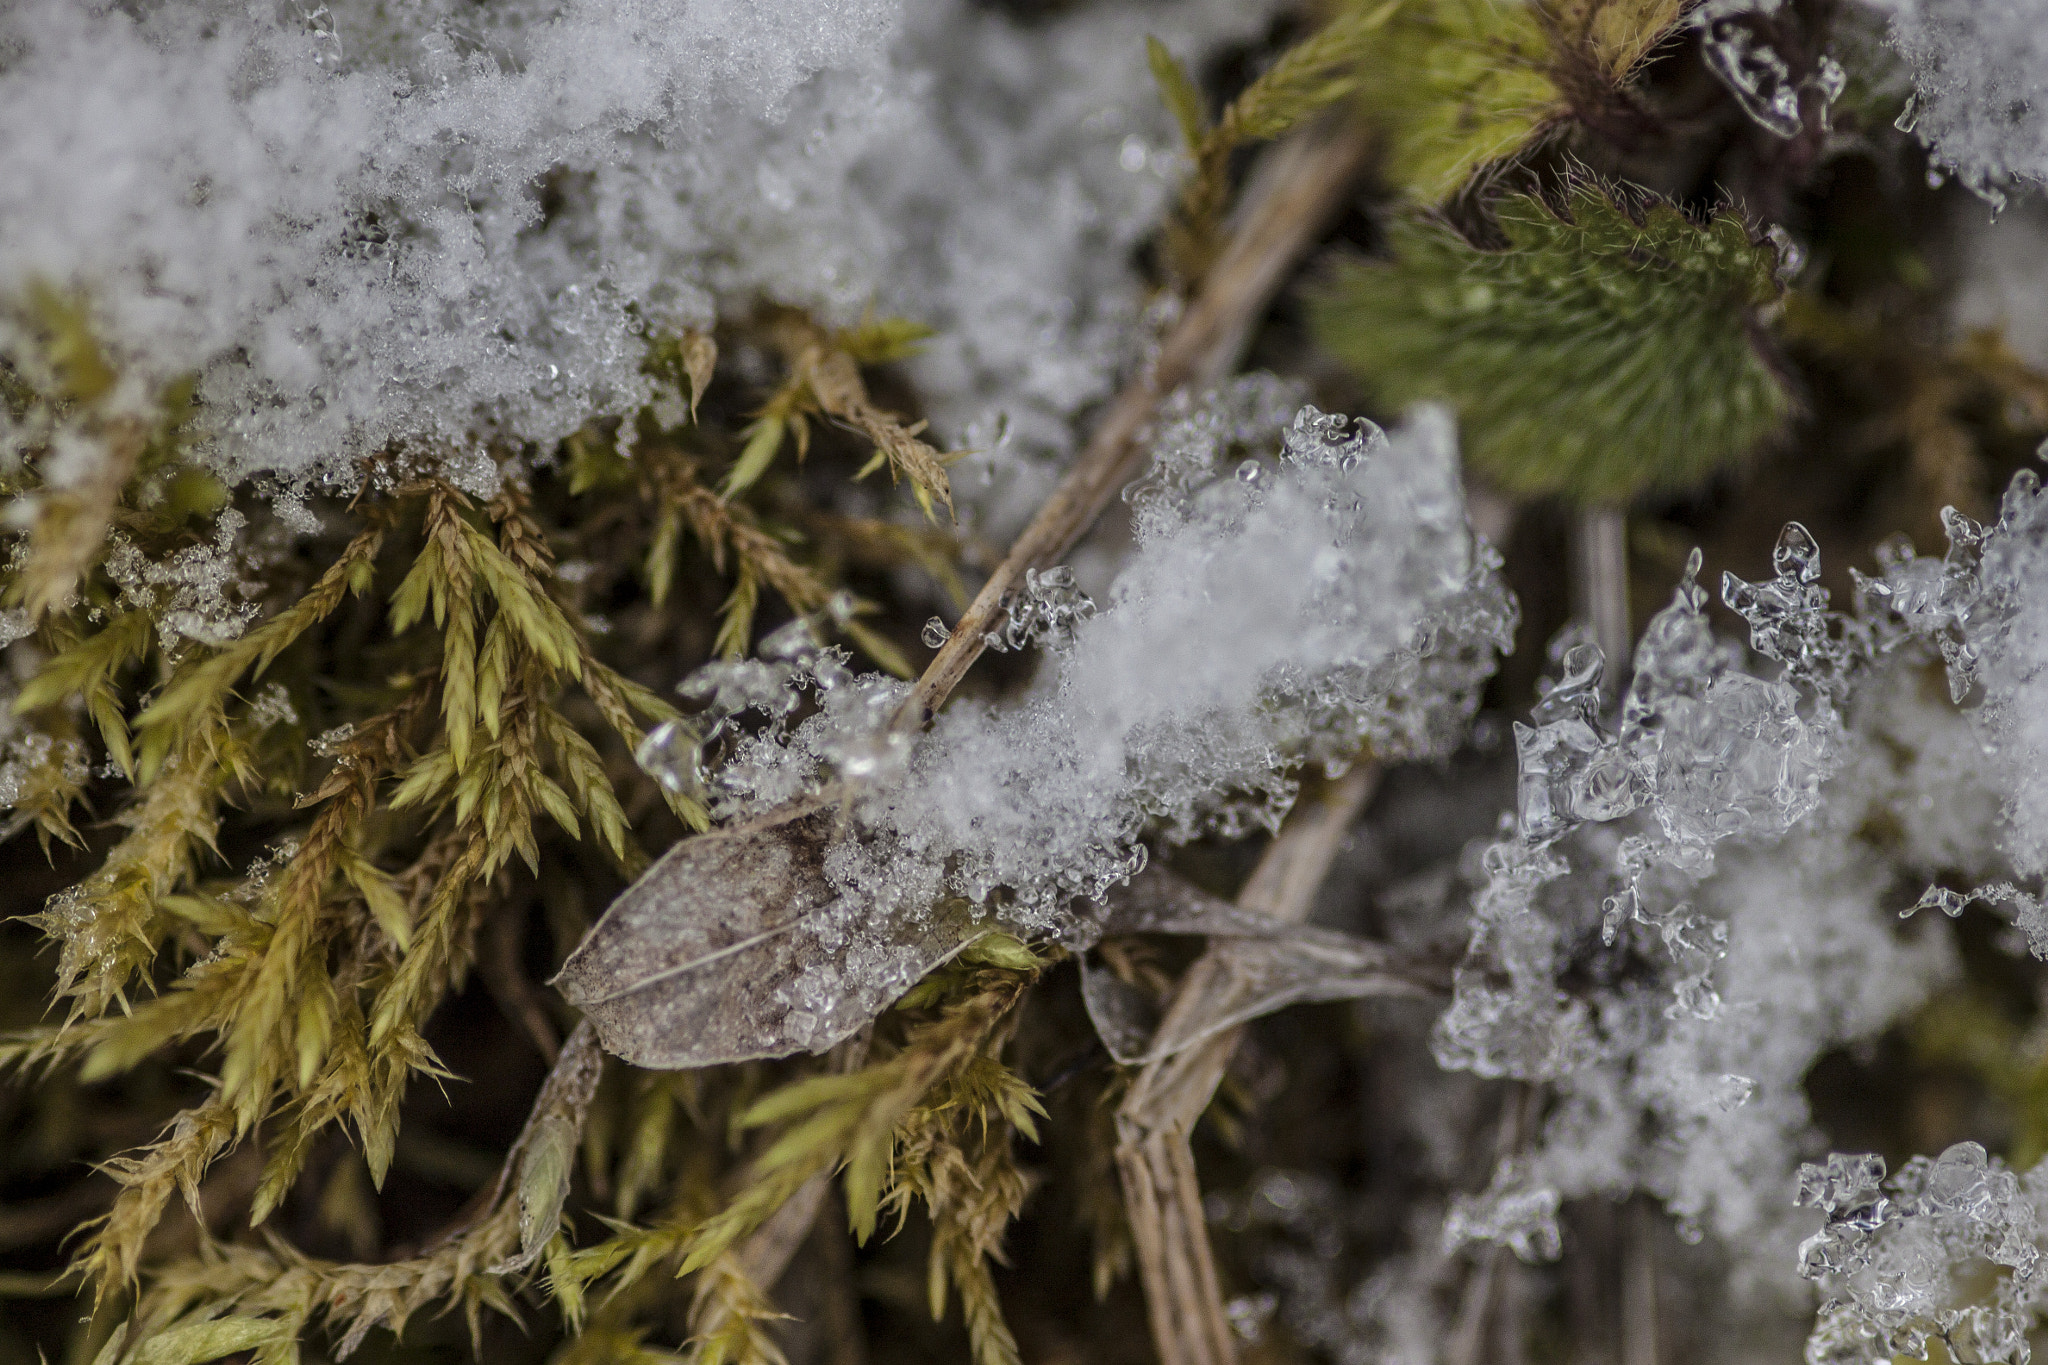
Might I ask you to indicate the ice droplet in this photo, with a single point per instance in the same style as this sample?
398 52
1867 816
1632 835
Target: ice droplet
669 753
935 633
1909 116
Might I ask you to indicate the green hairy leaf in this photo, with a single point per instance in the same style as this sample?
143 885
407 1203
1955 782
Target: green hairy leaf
1603 353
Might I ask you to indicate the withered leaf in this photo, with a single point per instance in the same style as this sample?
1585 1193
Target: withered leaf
692 966
1267 965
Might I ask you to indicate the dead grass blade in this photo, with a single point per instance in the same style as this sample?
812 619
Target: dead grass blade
1162 1196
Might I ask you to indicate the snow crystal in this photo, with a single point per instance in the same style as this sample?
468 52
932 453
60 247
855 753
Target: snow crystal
1905 1262
1763 82
1336 604
1985 607
438 223
1980 75
1684 913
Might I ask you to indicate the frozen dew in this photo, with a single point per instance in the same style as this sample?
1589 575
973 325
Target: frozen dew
1735 43
328 743
1044 614
273 706
1513 1211
670 754
1904 1261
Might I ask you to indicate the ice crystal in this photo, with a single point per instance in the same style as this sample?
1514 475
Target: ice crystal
1514 1211
1978 101
1702 751
434 223
1905 1263
1761 80
1044 614
204 593
1981 606
25 753
1680 917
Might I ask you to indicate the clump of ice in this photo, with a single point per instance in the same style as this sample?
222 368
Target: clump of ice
1687 911
1279 613
1948 1249
1274 613
1704 749
1980 76
444 223
1985 606
206 592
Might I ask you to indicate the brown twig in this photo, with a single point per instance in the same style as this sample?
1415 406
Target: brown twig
1308 179
1162 1196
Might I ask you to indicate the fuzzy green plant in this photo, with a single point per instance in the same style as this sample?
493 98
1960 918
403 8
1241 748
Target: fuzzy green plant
1448 87
1606 349
1454 85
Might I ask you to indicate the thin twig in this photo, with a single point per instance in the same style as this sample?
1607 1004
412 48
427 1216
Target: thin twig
1477 1329
1162 1197
1600 588
1310 177
1639 1285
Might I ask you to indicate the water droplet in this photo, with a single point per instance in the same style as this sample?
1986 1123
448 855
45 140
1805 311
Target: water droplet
1791 255
935 633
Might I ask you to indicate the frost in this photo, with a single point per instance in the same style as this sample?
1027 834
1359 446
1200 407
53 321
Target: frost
1337 603
1513 1211
1045 613
1681 917
204 593
1907 1262
1984 606
1703 752
747 757
440 224
1761 80
26 754
1980 101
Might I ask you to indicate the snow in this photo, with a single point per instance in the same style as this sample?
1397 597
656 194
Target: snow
439 225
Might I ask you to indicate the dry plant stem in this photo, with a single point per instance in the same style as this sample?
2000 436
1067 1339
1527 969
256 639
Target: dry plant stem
1312 173
1600 587
1638 1286
1162 1197
1476 1330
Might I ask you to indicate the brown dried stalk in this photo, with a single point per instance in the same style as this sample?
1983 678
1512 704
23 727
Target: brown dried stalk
1162 1196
